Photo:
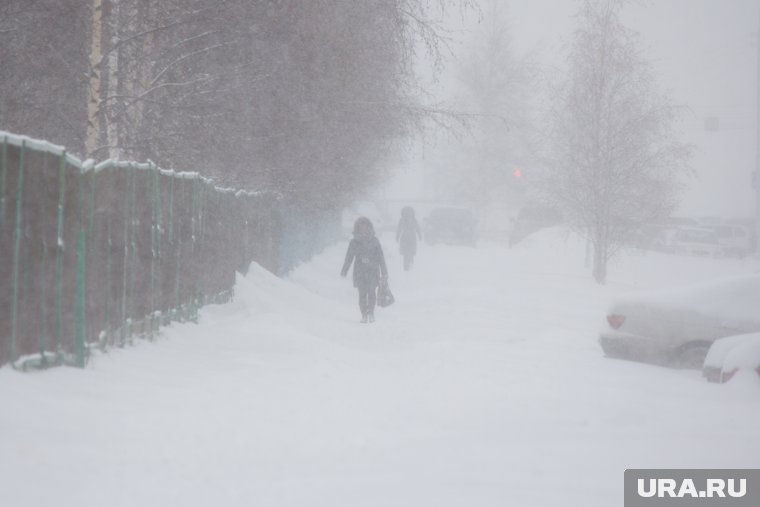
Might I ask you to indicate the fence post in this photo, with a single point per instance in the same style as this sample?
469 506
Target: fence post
159 251
59 254
132 244
178 269
109 245
153 246
123 327
79 343
193 312
204 203
43 316
3 170
91 218
246 247
17 250
43 284
171 208
87 205
177 245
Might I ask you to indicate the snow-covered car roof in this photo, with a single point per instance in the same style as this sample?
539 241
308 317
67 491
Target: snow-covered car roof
697 234
731 298
745 354
724 347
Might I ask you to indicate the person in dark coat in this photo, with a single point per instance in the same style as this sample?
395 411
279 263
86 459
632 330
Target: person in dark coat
407 233
366 253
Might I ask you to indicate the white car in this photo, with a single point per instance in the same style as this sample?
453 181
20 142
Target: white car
734 239
676 327
729 355
664 240
699 241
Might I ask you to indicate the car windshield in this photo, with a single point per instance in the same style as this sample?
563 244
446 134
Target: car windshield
722 231
451 215
697 236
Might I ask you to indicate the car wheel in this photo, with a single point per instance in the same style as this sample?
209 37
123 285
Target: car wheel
691 356
614 349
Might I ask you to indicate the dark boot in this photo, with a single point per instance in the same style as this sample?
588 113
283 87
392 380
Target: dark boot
363 304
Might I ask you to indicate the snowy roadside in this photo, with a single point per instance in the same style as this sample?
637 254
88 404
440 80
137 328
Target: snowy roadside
482 386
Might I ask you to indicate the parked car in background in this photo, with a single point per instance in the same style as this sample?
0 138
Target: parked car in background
530 219
729 355
676 327
454 226
735 240
699 241
664 240
645 236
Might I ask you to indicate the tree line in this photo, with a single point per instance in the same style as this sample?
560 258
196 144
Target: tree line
306 98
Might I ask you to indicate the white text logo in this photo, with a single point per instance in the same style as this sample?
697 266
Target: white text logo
715 488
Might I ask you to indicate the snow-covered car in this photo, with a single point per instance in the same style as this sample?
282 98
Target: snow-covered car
699 241
664 240
453 226
530 219
676 327
729 355
734 239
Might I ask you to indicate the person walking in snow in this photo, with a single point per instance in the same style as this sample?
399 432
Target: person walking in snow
366 253
407 233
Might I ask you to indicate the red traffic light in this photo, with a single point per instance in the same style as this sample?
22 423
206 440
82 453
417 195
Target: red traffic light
517 173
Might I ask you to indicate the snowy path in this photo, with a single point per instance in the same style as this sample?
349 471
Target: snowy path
482 386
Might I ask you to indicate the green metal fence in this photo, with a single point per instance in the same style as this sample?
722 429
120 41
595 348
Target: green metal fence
95 255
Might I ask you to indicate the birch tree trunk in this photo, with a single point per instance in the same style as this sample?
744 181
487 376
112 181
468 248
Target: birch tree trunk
134 16
144 66
112 126
92 136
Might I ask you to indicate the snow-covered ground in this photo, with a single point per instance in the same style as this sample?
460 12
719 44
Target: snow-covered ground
482 386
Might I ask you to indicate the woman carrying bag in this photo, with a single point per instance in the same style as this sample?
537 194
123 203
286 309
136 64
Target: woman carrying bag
370 270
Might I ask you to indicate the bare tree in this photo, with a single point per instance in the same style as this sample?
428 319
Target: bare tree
614 160
307 98
496 86
44 81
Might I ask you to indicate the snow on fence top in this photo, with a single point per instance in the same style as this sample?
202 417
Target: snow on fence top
43 146
89 164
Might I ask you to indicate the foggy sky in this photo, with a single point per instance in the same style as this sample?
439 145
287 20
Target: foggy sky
705 55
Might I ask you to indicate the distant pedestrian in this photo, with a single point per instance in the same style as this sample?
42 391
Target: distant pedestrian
407 233
366 253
